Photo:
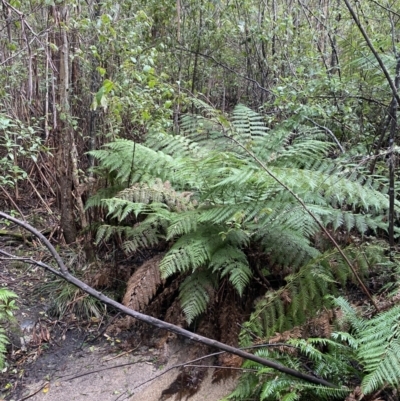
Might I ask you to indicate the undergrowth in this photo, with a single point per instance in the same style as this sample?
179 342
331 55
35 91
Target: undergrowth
66 299
364 356
7 306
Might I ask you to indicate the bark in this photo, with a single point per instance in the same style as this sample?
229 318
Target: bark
392 162
64 132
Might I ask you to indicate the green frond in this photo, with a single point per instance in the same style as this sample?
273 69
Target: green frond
7 306
129 160
189 252
342 337
195 292
306 290
349 314
6 295
120 209
333 364
276 389
157 192
96 200
249 386
182 223
377 345
105 231
175 145
379 350
144 235
232 261
3 347
220 214
247 124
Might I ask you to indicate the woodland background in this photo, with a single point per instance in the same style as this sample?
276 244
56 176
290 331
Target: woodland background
246 151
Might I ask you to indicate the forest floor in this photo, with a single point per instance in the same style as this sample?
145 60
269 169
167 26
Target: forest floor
53 360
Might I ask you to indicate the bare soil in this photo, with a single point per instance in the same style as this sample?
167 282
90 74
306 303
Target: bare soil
54 361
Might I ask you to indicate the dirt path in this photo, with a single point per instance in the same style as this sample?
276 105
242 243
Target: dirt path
93 376
64 369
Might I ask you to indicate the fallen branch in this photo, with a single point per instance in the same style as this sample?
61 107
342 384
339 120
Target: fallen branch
64 273
35 392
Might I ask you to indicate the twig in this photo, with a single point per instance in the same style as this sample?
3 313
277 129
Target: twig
32 394
102 369
105 327
124 353
226 68
190 363
180 365
65 378
221 367
332 135
12 201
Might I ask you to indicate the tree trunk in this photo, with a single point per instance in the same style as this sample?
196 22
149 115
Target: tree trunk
63 130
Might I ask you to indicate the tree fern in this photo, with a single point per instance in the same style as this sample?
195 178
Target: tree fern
211 198
232 262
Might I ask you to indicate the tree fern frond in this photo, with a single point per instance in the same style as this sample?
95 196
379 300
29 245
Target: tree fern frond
195 293
7 305
306 291
231 261
189 252
174 145
121 156
105 231
157 192
120 209
144 235
220 214
248 386
247 124
183 223
239 275
377 345
103 193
